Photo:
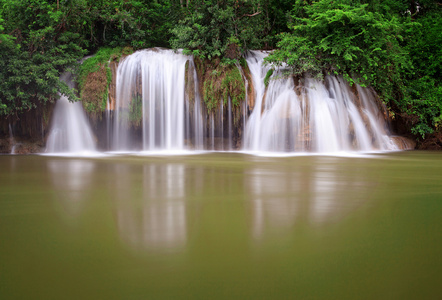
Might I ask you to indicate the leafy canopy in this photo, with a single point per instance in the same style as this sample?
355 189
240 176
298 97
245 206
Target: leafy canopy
347 39
224 28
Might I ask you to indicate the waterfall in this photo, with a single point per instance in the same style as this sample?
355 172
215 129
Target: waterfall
253 125
108 123
230 128
157 106
312 115
197 113
212 124
150 93
12 141
70 131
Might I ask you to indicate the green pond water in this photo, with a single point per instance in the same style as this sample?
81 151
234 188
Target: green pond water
221 226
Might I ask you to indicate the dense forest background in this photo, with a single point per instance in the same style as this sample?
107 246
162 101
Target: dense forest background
393 46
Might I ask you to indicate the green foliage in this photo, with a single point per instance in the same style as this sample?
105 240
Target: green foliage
94 77
394 46
267 78
47 37
93 64
373 43
220 28
221 83
425 104
277 15
35 55
343 39
233 86
139 24
32 60
424 98
41 39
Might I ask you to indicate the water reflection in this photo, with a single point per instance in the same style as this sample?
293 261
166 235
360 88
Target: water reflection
323 192
337 192
72 181
274 200
152 201
150 207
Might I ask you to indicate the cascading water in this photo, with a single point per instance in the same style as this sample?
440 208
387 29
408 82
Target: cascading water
12 141
194 109
312 116
151 95
70 131
157 106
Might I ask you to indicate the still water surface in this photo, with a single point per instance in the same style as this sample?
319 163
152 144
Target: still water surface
221 226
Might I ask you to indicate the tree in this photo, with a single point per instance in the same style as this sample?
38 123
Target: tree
424 87
42 38
337 38
224 28
34 55
393 46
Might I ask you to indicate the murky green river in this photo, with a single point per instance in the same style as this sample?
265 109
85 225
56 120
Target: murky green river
221 226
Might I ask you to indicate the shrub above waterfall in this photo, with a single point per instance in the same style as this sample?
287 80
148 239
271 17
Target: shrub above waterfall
222 29
343 39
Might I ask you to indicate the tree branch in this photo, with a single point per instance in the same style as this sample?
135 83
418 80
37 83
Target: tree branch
252 15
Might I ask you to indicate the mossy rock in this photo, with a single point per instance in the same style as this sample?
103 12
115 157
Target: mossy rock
95 76
95 90
222 82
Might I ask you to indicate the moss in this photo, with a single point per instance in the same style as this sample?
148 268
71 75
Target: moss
136 110
94 90
94 77
233 86
222 82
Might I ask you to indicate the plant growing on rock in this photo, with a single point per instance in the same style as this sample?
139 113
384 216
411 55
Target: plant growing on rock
94 77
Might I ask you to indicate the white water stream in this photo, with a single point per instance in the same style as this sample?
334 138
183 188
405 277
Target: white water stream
152 113
151 90
70 131
320 117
